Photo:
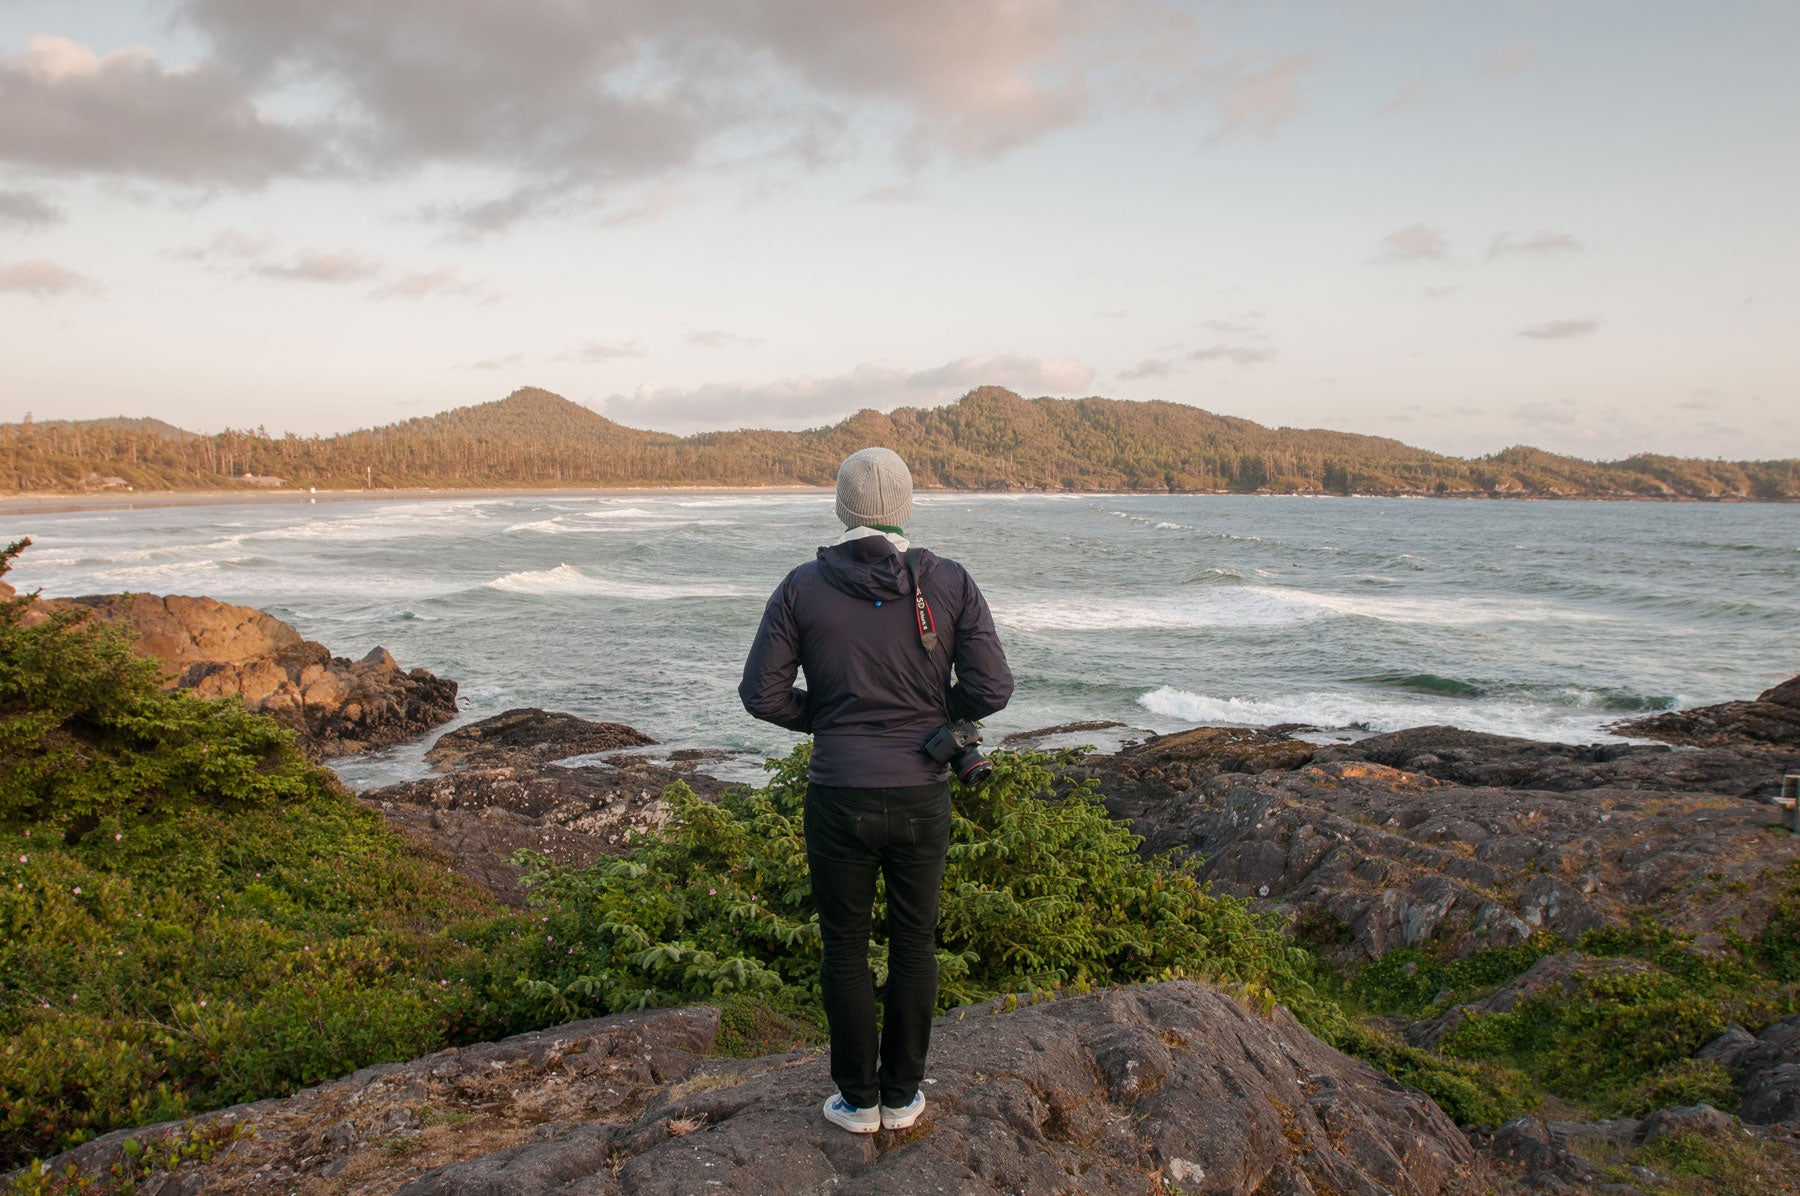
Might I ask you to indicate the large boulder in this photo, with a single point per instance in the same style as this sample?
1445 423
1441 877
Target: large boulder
335 706
528 736
1174 1086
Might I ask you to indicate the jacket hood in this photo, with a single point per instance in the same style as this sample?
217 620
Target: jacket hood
871 568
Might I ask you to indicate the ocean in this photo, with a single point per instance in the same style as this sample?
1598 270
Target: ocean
1550 620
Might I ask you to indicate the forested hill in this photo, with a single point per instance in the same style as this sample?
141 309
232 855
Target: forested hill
989 440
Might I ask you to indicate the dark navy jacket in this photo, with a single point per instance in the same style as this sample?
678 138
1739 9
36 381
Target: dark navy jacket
873 696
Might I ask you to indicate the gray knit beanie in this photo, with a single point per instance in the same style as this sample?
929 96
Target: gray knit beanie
874 489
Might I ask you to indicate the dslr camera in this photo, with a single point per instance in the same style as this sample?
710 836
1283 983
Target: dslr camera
958 744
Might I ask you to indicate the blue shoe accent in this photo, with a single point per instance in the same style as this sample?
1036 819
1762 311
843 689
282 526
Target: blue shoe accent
846 1116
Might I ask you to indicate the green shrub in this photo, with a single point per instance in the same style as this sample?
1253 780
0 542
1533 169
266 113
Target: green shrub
1616 1040
190 914
86 730
1042 890
1472 1092
1408 983
1675 1085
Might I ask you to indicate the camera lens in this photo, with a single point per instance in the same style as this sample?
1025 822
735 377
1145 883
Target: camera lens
973 767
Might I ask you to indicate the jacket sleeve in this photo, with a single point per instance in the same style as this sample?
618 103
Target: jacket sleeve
984 683
768 690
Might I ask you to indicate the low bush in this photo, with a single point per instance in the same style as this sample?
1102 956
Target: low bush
1042 891
190 914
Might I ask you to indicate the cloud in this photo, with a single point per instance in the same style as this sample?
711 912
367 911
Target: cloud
808 401
1414 243
718 338
1443 292
335 268
1559 330
568 102
1507 62
43 279
227 245
28 209
1542 243
1561 414
510 361
1236 354
594 352
1150 367
1417 94
65 108
1260 99
1244 327
445 280
904 192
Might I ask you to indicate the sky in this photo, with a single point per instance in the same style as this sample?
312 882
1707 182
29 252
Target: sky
1565 223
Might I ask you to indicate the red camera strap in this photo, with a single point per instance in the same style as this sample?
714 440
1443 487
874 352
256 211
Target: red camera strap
921 608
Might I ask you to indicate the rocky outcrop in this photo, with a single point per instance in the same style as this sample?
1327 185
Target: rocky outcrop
520 738
1476 759
1377 857
1168 1087
1471 758
480 812
335 706
1772 721
1766 1067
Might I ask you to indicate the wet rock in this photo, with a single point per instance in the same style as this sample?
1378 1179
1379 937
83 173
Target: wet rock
528 736
1027 738
1479 760
335 706
1770 722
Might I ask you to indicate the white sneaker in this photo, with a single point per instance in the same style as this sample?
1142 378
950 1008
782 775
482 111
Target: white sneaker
905 1115
844 1115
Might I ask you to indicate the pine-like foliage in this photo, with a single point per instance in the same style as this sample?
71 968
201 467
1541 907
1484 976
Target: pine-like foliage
190 914
1043 890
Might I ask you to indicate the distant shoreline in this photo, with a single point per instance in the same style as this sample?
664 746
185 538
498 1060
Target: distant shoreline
114 500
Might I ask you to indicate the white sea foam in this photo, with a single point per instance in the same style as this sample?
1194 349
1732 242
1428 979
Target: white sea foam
172 570
566 579
1379 714
1265 606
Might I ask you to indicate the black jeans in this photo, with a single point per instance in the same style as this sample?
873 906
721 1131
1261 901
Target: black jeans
851 836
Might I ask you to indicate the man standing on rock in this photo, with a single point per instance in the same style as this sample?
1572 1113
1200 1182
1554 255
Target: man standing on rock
879 662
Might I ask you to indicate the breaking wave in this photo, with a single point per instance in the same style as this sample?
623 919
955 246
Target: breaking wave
566 579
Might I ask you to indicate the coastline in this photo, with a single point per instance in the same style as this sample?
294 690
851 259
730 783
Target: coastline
113 500
41 502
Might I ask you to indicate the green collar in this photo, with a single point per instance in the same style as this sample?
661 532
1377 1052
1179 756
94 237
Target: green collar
882 527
